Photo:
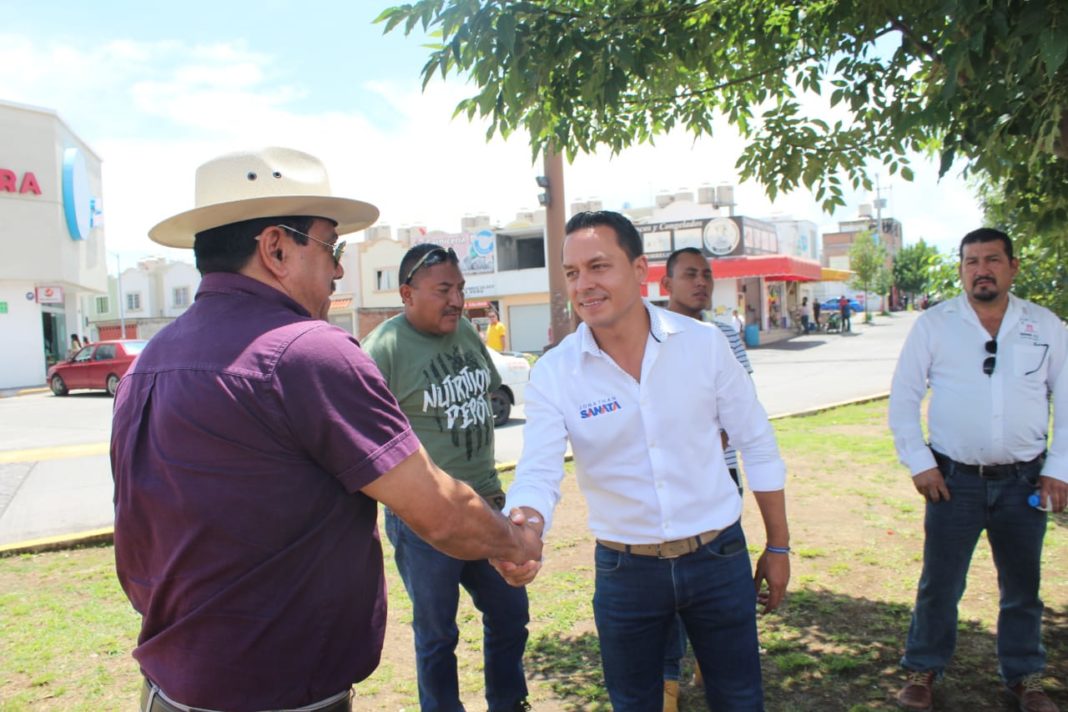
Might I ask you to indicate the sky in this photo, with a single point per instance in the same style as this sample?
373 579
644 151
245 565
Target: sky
156 89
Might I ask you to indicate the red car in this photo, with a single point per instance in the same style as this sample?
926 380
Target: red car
98 366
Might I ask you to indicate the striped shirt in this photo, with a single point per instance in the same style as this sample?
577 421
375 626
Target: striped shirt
733 338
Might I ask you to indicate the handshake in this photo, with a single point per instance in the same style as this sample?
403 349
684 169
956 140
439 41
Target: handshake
519 570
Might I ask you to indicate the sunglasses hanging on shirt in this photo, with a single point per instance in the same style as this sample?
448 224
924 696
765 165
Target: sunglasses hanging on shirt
992 359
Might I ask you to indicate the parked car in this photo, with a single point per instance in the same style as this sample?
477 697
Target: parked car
515 373
832 305
98 366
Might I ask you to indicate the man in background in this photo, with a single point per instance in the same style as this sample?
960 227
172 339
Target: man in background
994 365
441 374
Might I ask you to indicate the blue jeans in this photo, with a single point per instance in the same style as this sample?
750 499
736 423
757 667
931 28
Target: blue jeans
433 582
1015 531
635 603
675 650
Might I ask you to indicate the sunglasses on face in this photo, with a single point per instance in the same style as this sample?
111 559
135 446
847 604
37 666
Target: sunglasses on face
991 360
431 258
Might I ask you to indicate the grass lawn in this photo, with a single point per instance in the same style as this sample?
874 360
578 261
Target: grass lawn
66 629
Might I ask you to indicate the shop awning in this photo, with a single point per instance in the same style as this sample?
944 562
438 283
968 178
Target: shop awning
774 268
835 275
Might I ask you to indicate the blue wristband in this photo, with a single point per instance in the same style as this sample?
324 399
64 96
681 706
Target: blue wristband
777 549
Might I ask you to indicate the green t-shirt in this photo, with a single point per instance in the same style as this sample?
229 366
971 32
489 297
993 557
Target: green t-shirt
442 384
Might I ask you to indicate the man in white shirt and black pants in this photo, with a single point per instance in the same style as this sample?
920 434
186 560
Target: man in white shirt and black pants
642 394
994 363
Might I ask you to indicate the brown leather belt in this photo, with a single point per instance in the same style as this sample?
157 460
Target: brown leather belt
665 549
156 703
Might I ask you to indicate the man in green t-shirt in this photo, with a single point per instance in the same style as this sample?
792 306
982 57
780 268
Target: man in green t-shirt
441 375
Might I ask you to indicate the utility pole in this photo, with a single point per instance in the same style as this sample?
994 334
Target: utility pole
122 305
555 218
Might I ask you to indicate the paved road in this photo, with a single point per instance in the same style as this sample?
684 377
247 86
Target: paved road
55 478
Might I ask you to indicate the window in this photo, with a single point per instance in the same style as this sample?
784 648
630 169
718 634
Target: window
104 352
102 305
385 279
133 301
181 296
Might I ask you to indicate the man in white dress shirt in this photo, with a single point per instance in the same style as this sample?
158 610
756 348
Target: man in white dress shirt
994 363
642 394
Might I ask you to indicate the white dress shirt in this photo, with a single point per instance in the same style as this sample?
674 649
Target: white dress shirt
974 418
647 454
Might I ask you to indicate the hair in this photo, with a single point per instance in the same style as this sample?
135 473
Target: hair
412 256
986 234
228 248
626 234
674 257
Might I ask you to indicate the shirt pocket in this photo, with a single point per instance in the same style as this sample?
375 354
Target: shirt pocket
1028 360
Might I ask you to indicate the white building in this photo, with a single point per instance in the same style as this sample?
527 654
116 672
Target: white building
144 299
52 236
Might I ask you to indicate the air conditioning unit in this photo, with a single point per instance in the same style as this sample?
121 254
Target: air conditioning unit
706 195
664 199
724 195
684 196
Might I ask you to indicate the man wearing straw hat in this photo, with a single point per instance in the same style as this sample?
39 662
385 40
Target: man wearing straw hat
251 443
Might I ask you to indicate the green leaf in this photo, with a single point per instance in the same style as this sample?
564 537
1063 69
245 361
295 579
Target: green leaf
1054 46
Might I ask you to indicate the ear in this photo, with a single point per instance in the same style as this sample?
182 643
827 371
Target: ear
273 251
406 294
665 284
641 268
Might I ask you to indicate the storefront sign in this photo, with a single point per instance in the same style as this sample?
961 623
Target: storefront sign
80 208
476 251
12 182
50 295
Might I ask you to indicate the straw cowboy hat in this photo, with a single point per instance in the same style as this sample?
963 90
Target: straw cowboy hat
270 182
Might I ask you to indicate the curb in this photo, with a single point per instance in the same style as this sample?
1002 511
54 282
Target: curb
104 535
831 406
107 534
24 391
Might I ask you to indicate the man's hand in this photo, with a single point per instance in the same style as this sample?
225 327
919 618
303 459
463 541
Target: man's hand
1055 490
530 526
931 485
774 570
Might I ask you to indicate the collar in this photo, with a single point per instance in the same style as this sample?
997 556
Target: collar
1016 309
662 324
235 283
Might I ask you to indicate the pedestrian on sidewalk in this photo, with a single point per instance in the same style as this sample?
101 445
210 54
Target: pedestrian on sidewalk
251 444
994 364
638 391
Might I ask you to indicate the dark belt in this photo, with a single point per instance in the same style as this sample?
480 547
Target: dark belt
156 703
665 549
990 472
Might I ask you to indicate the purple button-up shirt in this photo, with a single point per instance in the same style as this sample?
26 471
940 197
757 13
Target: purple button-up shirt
241 438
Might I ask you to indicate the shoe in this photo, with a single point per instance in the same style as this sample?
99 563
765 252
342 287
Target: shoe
1030 695
916 694
671 696
522 706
